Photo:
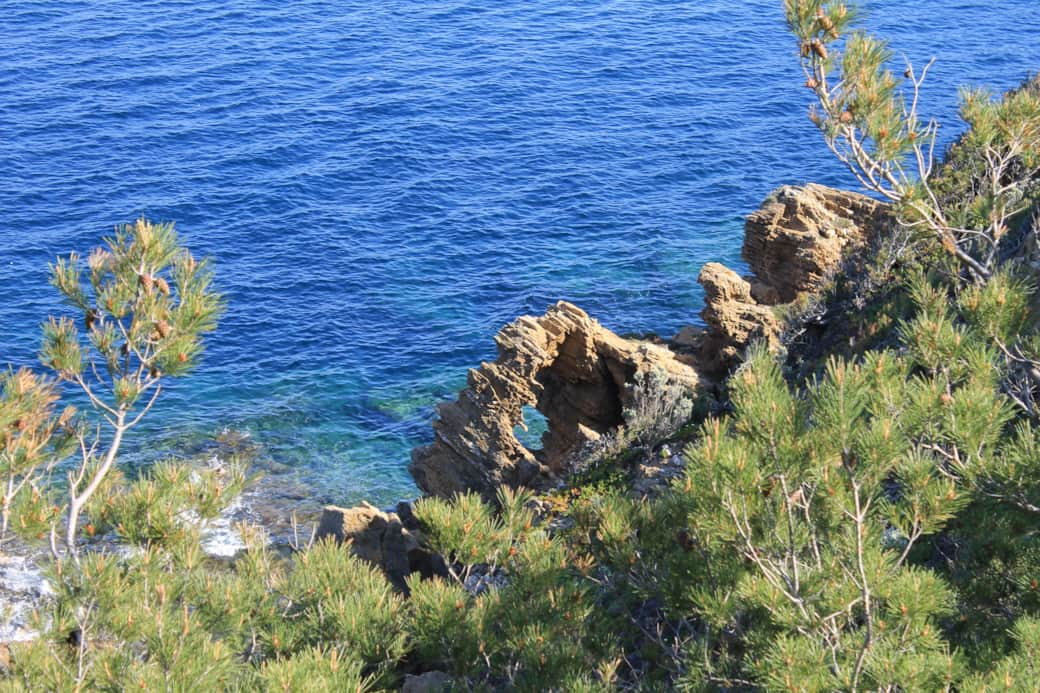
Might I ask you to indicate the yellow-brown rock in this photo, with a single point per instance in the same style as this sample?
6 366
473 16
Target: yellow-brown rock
574 371
375 536
581 376
733 316
797 238
793 244
391 541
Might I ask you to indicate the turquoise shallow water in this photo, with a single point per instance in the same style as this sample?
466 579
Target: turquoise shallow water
384 185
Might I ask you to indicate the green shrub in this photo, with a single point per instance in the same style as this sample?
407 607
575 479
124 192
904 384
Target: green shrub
339 599
314 671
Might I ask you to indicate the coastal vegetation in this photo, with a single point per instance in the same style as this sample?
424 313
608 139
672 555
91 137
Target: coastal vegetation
858 510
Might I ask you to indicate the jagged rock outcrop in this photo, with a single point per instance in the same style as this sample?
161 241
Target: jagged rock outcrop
574 371
792 244
796 239
733 315
582 377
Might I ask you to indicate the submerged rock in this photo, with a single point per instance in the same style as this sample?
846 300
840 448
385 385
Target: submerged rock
578 374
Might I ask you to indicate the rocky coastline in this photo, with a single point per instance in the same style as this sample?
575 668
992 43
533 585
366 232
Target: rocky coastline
588 382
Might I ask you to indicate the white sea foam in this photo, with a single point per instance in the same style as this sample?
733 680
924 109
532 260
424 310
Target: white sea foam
220 539
22 587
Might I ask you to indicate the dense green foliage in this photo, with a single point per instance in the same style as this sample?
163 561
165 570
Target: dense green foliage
870 527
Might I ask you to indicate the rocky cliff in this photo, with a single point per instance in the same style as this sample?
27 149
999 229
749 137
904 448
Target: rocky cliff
582 377
797 238
585 380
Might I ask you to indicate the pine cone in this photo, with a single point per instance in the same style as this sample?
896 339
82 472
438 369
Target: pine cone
163 287
824 21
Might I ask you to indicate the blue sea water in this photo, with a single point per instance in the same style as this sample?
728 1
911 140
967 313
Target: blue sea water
383 185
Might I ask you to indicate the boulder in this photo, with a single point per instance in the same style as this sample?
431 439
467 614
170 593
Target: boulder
381 538
796 240
578 374
688 337
733 316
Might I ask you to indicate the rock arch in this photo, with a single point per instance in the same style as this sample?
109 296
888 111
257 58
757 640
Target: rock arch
574 371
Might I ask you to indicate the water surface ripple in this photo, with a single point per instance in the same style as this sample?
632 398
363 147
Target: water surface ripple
383 185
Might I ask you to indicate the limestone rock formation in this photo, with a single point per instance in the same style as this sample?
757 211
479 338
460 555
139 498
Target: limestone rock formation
734 317
793 243
578 374
583 378
797 238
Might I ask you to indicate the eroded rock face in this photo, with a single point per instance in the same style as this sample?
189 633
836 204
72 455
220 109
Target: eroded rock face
793 243
734 317
797 238
581 376
574 371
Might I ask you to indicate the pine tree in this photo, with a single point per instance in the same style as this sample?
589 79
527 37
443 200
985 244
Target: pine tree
873 125
144 303
33 438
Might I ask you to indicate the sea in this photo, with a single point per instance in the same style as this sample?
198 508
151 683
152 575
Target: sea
382 186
